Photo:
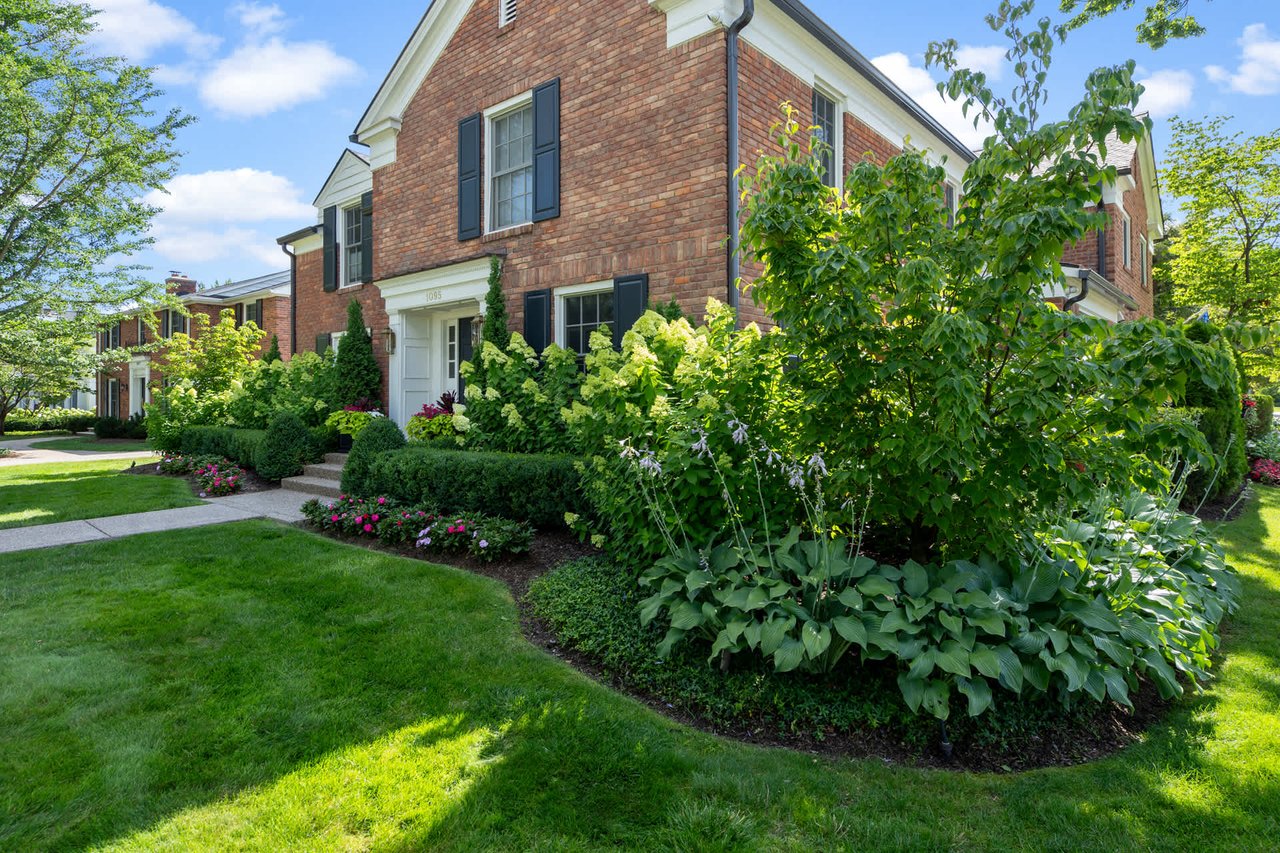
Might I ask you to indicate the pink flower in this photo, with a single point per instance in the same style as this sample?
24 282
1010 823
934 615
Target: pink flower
375 518
334 519
382 501
368 528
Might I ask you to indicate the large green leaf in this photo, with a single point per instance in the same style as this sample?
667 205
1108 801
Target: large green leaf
686 615
978 692
1094 614
816 638
651 607
789 655
915 579
912 691
923 665
773 633
695 581
1038 584
985 660
937 698
851 599
874 585
1011 674
851 629
953 658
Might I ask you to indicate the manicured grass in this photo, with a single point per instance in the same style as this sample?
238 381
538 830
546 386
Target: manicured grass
256 687
67 491
94 445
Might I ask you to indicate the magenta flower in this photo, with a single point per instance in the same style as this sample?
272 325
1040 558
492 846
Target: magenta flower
334 519
368 528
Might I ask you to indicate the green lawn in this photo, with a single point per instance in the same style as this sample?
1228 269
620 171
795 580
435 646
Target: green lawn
17 434
66 491
256 687
95 445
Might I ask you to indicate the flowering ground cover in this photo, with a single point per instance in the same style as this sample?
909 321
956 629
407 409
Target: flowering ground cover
291 692
69 491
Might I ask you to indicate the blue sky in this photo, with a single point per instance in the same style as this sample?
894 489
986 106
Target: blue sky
278 87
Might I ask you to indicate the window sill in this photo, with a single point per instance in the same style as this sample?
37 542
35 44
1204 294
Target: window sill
513 231
355 286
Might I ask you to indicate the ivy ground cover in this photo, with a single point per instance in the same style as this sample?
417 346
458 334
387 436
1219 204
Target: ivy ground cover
70 491
290 692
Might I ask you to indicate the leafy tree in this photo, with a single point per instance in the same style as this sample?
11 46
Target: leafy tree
273 351
1227 252
1164 19
495 329
357 376
215 356
80 148
933 372
44 358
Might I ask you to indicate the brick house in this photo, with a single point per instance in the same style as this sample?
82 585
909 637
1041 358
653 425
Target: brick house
124 389
588 145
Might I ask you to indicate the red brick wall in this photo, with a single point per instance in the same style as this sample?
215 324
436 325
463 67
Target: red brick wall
1127 279
643 154
320 312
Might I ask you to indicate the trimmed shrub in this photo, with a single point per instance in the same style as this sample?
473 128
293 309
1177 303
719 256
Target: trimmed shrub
109 427
47 420
527 487
284 450
1262 420
238 445
1220 422
379 437
356 373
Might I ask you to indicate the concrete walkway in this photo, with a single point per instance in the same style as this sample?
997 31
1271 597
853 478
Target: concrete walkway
280 504
25 454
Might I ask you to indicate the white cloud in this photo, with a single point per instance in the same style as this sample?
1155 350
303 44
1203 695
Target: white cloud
261 78
259 20
138 28
990 60
923 89
208 217
1167 92
1259 70
230 195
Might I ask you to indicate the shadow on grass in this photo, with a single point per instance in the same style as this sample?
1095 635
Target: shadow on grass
259 687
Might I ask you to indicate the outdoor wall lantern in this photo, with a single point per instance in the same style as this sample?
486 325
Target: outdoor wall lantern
389 340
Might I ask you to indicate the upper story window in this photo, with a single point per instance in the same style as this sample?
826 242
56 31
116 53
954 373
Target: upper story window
142 331
1126 249
507 10
352 245
511 167
952 200
827 130
172 323
1144 259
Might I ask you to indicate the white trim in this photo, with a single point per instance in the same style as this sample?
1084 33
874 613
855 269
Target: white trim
1114 193
510 105
508 11
561 293
351 178
340 243
306 245
380 125
1126 239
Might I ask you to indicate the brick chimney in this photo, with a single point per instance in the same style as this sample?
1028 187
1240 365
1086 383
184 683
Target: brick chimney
178 284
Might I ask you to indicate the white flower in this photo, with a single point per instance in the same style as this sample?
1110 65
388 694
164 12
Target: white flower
650 463
739 431
795 477
700 446
816 465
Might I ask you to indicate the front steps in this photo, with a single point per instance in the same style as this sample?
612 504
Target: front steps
319 481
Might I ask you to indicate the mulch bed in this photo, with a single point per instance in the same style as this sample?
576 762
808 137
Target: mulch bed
250 482
1104 733
1228 508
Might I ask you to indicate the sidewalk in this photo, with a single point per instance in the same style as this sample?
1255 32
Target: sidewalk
25 455
280 505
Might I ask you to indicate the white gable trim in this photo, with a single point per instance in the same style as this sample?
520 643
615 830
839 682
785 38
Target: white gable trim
380 125
351 178
1151 187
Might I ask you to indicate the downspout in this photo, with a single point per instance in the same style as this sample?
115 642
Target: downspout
1102 238
293 299
1068 304
735 238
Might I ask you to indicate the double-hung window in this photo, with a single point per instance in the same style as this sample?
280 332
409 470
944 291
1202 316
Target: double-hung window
583 313
1126 250
352 245
511 167
253 313
826 130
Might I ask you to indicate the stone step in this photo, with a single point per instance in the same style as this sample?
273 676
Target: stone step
324 472
335 459
315 486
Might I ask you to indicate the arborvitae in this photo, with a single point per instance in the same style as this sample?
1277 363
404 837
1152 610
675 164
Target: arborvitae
358 378
495 329
273 351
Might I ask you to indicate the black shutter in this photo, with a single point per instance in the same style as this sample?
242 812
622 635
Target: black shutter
630 297
239 314
323 343
469 161
366 238
261 318
546 151
330 249
537 319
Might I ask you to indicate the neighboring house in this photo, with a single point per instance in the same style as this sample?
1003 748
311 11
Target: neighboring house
589 146
1116 262
123 390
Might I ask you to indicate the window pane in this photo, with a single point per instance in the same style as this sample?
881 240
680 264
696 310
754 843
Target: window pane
573 310
574 342
606 308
